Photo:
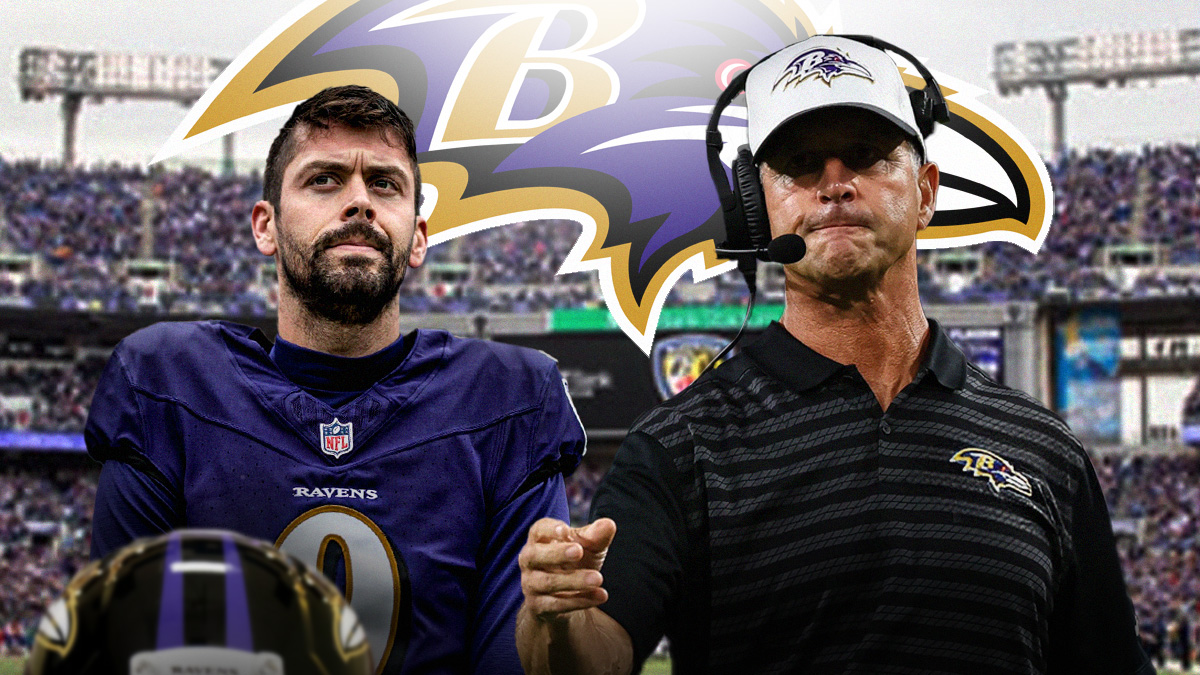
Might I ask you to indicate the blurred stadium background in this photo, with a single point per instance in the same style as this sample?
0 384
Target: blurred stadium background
1103 325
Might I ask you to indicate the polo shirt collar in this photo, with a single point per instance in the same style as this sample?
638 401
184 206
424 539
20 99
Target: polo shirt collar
779 353
946 360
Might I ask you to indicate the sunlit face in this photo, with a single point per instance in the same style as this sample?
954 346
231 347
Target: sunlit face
347 227
846 181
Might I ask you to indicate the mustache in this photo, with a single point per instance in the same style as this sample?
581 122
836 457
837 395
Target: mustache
355 229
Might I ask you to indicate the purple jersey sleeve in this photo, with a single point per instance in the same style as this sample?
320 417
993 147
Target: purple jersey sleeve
129 505
492 645
134 497
557 443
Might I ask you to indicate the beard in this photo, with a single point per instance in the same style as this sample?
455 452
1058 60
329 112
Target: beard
346 289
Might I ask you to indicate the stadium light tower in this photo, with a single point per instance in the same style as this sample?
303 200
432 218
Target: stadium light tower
98 76
1094 59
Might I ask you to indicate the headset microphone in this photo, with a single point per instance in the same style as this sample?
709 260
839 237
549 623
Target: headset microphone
784 249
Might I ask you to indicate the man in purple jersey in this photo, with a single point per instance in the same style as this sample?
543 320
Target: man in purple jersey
406 467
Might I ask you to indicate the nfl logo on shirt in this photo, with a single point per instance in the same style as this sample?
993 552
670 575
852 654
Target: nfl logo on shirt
337 438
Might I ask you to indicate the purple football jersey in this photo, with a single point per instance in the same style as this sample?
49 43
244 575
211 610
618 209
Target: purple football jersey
416 496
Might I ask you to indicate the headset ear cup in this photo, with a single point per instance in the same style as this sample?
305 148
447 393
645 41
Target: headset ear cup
750 195
922 106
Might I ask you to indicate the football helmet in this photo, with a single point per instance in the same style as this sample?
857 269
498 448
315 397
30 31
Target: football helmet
199 601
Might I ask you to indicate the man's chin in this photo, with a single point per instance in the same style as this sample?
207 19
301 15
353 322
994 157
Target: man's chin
840 270
350 305
843 280
358 290
353 271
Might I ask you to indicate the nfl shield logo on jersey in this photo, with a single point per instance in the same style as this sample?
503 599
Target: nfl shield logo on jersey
337 437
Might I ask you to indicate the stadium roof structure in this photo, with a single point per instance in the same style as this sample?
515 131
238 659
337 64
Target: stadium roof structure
98 76
1093 59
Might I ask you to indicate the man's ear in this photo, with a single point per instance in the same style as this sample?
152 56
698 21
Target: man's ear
420 243
928 179
262 223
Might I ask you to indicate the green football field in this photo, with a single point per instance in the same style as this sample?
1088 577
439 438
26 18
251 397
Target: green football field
657 666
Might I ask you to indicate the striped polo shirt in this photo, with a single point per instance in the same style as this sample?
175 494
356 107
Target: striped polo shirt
773 518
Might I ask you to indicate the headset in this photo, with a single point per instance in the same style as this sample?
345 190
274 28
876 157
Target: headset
747 230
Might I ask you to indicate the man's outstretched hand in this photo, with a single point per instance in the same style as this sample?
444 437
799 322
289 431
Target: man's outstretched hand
559 628
560 567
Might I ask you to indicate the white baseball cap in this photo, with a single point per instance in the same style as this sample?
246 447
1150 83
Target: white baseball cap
826 71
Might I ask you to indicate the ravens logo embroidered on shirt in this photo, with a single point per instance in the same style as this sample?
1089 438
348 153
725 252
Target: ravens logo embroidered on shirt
999 472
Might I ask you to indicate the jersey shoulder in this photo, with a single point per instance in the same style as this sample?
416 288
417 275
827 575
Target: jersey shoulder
480 374
1024 409
149 373
517 392
159 352
500 358
216 369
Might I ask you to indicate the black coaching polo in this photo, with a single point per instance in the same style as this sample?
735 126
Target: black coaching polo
773 518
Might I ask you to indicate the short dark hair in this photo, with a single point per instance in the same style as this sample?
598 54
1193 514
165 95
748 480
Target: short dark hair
350 106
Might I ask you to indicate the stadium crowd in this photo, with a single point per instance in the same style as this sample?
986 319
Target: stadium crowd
85 225
1108 203
45 518
47 395
1155 504
118 239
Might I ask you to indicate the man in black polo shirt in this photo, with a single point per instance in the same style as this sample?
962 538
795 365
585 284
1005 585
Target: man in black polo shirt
848 494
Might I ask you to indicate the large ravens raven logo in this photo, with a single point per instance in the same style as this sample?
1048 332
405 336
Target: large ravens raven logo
594 111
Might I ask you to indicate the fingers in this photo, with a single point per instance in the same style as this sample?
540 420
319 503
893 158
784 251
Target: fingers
549 594
548 529
547 583
549 547
554 544
560 566
550 556
596 537
547 607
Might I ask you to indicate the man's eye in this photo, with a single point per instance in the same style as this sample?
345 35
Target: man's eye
386 184
805 163
322 179
862 157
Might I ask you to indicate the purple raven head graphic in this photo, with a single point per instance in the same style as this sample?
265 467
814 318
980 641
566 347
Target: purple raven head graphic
823 63
589 110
